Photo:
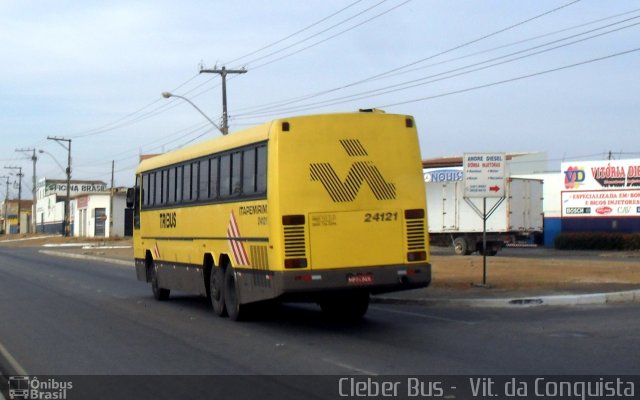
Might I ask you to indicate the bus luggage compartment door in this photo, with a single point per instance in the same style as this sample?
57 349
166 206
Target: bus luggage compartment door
355 238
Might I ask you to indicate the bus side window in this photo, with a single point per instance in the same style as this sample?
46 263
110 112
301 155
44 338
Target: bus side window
152 188
213 177
261 170
186 184
172 186
225 175
249 172
179 183
203 182
236 173
194 181
158 189
165 186
145 190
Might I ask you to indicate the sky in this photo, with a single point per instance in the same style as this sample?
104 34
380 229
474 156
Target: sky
553 76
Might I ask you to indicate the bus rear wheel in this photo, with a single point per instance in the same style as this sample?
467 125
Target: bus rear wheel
235 310
347 306
159 293
216 287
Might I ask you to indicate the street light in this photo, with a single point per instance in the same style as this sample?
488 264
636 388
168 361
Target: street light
166 95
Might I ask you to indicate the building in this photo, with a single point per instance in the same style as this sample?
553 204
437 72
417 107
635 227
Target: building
90 214
600 196
583 196
50 201
9 222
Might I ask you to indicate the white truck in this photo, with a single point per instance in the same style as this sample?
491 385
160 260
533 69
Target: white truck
452 221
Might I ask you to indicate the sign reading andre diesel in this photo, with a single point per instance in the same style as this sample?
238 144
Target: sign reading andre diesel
484 174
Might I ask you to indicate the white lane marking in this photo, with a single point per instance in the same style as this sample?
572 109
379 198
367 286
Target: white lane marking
349 367
414 314
13 363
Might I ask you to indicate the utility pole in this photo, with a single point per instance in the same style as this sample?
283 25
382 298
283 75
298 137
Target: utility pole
20 175
33 190
67 211
113 164
223 74
6 199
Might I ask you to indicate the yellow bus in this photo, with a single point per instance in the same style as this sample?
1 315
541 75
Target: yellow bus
322 208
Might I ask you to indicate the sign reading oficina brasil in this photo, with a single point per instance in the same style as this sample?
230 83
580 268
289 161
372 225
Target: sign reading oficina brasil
484 174
59 187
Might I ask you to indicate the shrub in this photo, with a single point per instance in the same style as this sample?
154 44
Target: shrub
597 241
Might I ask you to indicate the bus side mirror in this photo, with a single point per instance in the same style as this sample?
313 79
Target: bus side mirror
131 197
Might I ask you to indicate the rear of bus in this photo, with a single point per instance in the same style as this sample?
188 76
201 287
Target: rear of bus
348 208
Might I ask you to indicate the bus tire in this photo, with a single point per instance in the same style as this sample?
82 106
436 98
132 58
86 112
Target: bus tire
159 293
216 288
346 307
235 310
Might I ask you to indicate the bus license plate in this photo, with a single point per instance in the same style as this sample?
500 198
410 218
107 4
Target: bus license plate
360 279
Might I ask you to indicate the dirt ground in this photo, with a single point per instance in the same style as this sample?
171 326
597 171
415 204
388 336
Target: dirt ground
527 273
521 270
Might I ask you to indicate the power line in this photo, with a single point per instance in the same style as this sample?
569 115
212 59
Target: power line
116 124
318 34
450 73
128 119
376 76
511 79
295 33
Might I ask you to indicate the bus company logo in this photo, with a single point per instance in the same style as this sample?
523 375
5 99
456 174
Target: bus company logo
573 177
32 388
359 172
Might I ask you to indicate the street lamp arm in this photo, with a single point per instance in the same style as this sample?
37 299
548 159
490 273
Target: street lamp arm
166 95
54 159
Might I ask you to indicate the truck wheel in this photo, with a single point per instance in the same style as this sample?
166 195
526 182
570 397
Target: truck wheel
460 246
216 289
158 292
235 310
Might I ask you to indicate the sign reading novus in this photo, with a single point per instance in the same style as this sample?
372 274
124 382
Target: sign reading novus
484 174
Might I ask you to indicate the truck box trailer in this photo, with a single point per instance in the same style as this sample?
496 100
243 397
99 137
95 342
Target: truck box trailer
452 221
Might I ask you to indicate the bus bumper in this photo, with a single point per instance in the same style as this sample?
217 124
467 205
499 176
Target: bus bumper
375 280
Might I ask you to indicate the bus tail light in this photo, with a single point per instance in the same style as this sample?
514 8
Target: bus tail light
288 220
417 213
293 263
414 256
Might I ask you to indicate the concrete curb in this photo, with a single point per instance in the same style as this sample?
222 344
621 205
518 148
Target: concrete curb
28 238
88 257
630 296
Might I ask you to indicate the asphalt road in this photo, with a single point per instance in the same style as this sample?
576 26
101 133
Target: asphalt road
61 316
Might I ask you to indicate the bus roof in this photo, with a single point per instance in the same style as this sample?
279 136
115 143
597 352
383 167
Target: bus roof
246 136
201 149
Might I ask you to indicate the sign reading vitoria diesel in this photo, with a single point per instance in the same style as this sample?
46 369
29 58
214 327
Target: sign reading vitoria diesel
601 188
